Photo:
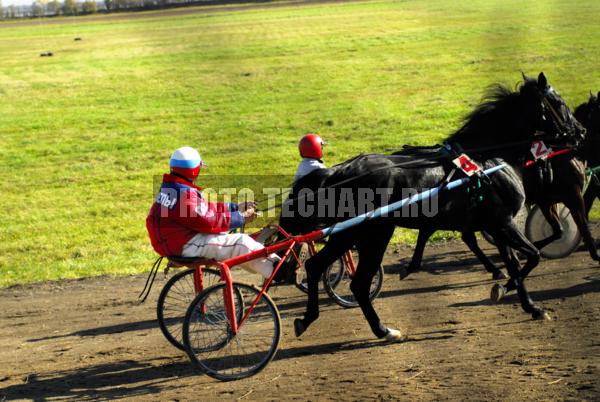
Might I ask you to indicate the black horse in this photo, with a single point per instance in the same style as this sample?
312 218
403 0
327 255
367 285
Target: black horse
557 180
588 114
497 131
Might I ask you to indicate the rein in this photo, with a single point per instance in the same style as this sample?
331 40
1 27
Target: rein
150 280
556 117
412 164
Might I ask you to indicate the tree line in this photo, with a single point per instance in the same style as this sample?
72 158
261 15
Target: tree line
50 8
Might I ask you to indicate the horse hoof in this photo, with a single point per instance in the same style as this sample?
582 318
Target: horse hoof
403 273
498 292
542 316
499 275
299 327
394 335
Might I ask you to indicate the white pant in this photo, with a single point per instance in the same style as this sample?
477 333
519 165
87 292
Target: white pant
221 247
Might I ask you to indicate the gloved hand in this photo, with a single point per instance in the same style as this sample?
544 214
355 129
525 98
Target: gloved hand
243 206
249 214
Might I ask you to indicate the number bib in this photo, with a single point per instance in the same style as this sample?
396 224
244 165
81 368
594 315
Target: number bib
539 150
464 163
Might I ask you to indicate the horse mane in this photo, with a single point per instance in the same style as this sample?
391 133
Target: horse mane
496 118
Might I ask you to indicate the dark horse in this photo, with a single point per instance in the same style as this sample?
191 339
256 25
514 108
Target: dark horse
560 179
506 123
588 114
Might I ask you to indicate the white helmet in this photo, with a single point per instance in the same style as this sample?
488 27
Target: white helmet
186 161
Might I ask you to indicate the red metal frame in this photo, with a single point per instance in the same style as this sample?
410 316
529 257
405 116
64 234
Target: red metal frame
349 263
225 266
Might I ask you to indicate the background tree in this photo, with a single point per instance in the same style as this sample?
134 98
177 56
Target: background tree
120 4
108 4
1 11
12 11
70 7
53 7
89 7
37 9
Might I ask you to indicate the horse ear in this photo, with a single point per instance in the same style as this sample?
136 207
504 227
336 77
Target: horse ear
542 81
525 78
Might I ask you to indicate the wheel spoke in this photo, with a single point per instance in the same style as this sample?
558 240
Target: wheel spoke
215 349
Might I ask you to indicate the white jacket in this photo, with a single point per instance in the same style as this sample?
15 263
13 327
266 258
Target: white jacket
308 165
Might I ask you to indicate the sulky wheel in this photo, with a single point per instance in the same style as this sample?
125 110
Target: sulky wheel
337 279
210 342
301 278
538 228
302 281
175 298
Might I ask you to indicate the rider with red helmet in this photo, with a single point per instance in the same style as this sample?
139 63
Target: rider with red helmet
182 222
311 151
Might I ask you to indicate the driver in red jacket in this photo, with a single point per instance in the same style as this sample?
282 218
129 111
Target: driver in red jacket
182 222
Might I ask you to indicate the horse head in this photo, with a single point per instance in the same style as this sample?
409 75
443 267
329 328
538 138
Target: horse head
552 120
588 114
516 118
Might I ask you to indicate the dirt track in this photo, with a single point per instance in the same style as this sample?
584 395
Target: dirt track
89 340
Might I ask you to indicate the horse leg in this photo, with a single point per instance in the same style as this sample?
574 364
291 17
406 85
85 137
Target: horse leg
370 252
417 258
577 207
510 237
471 241
551 214
590 196
517 282
315 266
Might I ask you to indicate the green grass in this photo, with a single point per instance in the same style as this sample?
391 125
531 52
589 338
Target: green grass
83 133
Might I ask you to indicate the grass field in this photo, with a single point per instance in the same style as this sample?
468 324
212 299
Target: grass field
83 133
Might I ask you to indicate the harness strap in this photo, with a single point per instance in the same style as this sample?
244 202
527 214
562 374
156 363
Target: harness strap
591 174
414 164
150 280
448 177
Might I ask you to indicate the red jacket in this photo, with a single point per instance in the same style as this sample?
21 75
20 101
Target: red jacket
180 212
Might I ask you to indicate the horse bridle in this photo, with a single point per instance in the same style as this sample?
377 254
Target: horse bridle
560 125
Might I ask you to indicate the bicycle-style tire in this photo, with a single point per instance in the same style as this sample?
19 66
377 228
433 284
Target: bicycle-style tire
538 228
301 278
209 341
175 298
339 289
301 281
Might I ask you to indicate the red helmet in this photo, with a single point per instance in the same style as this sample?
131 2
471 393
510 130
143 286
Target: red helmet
311 146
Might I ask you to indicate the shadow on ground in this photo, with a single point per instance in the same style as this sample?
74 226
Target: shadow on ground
132 378
591 286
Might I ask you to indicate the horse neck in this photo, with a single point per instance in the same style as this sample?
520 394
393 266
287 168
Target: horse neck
513 152
591 145
498 128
